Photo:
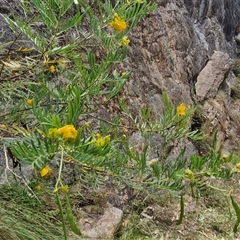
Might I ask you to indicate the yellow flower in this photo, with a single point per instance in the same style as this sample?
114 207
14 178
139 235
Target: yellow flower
125 41
45 172
29 102
68 132
39 187
52 133
153 162
238 166
181 110
3 126
97 135
118 23
52 69
190 175
101 142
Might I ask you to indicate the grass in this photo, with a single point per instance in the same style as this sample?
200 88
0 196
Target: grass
22 217
147 216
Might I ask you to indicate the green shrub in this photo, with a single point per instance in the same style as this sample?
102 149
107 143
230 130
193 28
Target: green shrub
51 92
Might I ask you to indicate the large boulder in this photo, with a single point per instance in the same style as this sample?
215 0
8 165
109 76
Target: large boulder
213 75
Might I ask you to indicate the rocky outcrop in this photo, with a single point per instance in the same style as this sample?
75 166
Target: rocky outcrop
171 48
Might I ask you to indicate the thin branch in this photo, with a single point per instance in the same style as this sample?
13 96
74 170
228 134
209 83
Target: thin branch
113 124
7 168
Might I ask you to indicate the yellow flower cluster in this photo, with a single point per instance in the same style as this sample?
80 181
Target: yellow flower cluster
238 166
45 172
118 23
52 69
102 141
181 110
153 162
125 41
97 135
68 132
190 175
29 102
39 187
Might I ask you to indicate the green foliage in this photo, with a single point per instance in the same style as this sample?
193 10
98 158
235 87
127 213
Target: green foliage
56 84
34 151
52 91
172 126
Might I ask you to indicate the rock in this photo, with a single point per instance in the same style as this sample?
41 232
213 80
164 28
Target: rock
177 149
233 130
4 9
221 115
216 119
137 142
213 75
171 46
103 227
13 9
